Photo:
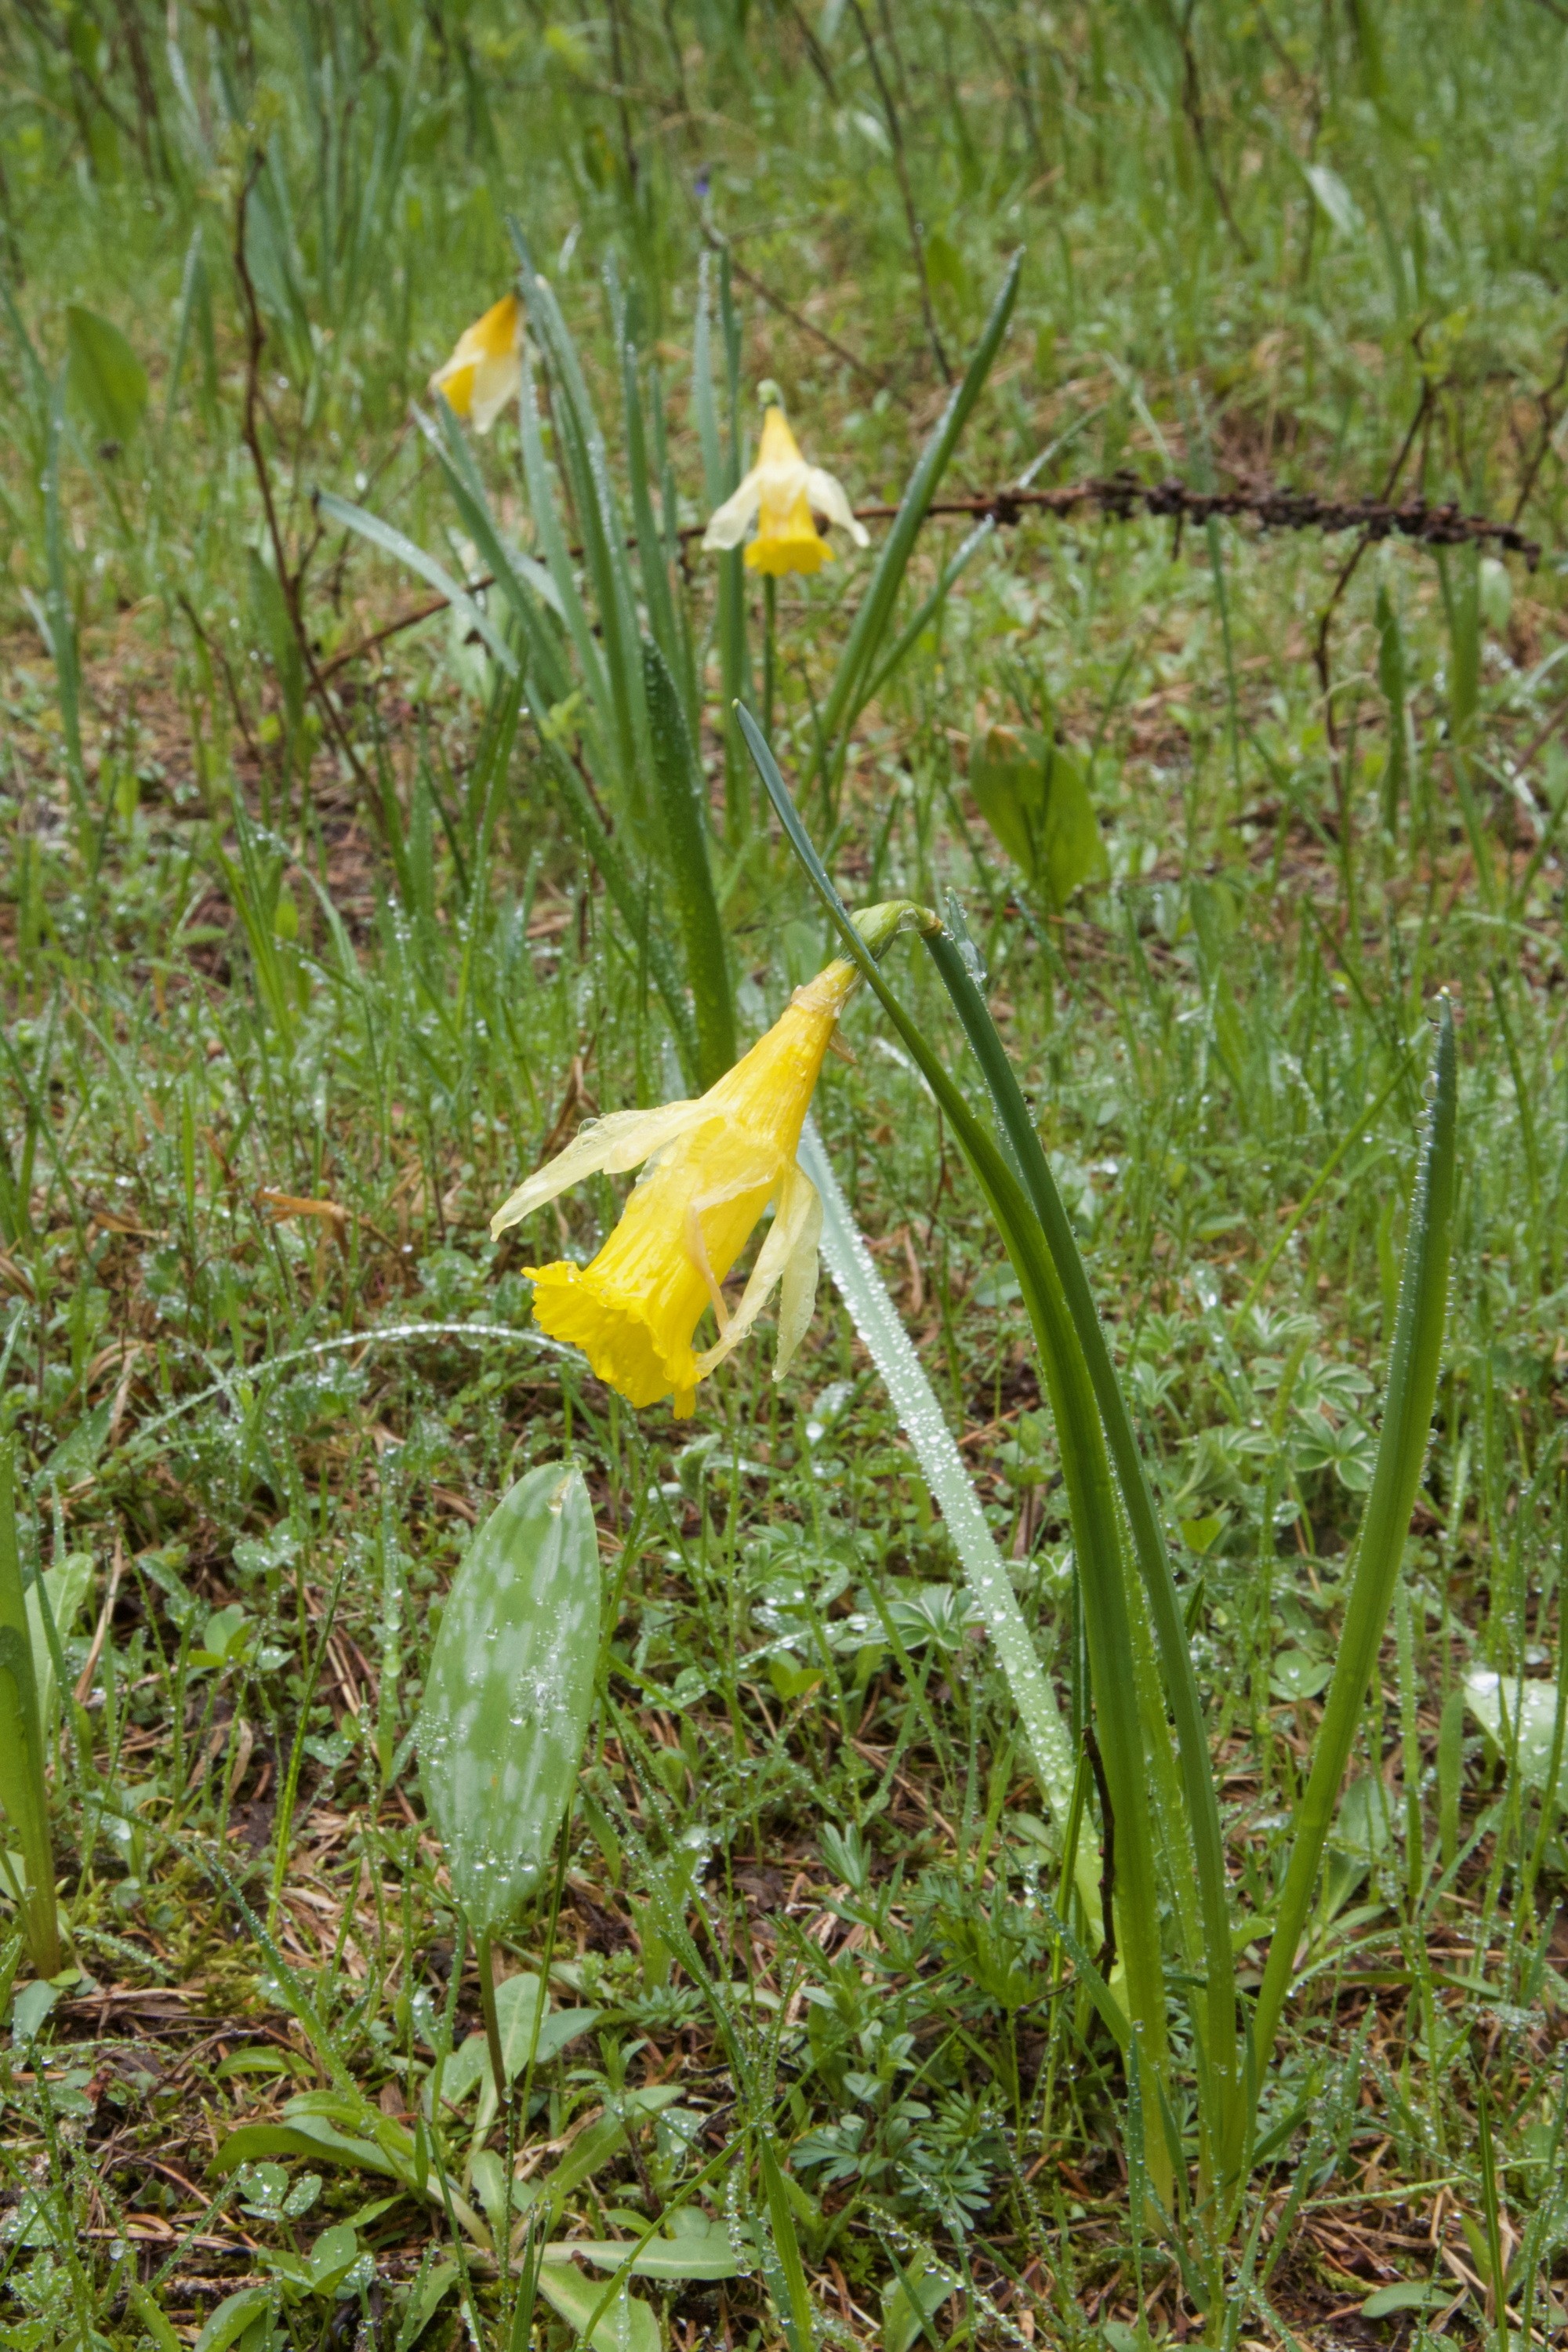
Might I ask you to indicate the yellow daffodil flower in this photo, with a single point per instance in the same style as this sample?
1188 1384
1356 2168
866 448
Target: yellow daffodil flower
781 494
715 1165
485 370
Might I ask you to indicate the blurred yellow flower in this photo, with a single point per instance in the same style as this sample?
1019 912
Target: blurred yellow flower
781 494
485 370
715 1164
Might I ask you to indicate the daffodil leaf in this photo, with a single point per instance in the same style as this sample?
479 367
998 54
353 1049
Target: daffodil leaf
404 550
683 826
871 621
510 1685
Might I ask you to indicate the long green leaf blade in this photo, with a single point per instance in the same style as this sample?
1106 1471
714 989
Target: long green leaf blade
881 1331
875 608
1414 1364
404 550
1086 1471
22 1790
1221 2038
685 841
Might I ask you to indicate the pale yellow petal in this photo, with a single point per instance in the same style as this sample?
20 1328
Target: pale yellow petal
729 524
797 1286
495 385
606 1147
798 1209
827 497
484 369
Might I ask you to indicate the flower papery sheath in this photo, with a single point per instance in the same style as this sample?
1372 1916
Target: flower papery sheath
714 1166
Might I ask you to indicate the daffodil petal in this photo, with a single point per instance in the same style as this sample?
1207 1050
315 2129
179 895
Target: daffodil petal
799 1212
797 1288
728 524
827 497
496 382
606 1147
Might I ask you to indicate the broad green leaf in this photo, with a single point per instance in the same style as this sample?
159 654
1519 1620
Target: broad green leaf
232 2317
1405 2294
509 1689
332 2256
601 2139
106 378
65 1587
308 2135
624 2324
1526 1712
711 2256
903 2318
1031 791
517 1999
1295 1674
426 2296
152 2318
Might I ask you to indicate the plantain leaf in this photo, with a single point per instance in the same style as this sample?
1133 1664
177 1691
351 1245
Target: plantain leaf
512 1680
1031 791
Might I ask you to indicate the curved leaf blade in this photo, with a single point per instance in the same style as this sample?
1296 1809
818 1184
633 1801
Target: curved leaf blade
1414 1364
404 550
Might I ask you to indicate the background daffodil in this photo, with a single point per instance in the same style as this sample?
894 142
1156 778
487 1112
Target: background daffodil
486 369
781 494
715 1164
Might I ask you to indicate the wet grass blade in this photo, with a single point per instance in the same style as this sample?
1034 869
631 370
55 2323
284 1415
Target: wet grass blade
62 621
1413 1363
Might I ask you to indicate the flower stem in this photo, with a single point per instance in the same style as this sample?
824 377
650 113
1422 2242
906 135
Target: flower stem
770 611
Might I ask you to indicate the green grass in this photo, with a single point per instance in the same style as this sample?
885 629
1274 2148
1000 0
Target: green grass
262 946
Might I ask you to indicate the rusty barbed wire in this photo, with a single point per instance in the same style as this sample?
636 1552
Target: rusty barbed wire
1120 496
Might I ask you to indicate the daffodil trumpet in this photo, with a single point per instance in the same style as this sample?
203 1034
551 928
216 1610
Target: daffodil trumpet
485 370
782 495
713 1166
